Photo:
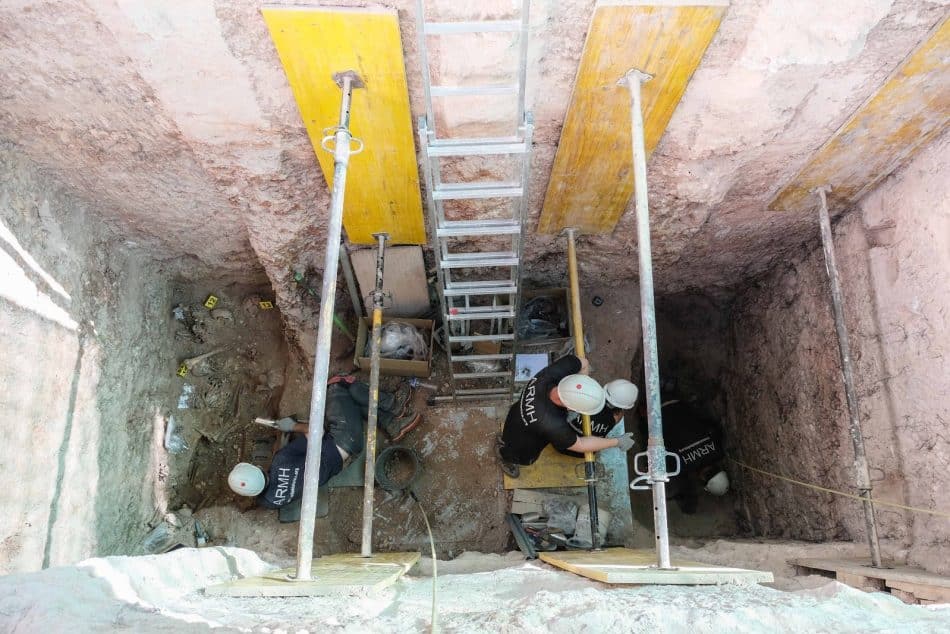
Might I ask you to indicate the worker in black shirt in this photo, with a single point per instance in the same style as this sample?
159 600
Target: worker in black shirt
697 439
539 417
346 407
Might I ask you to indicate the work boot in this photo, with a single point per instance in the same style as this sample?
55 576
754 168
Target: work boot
402 399
510 469
398 428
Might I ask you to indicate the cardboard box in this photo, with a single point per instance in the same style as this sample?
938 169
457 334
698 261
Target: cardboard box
395 367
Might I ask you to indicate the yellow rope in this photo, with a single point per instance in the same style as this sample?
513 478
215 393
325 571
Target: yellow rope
842 493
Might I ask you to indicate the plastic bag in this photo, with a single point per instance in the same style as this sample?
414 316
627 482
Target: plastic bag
174 441
400 340
541 319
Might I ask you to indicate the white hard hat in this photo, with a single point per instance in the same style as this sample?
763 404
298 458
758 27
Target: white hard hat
581 393
621 393
246 479
718 484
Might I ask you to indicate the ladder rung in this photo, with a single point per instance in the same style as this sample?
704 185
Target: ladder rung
474 263
459 228
477 284
458 358
511 289
476 338
478 255
459 191
475 140
478 91
475 148
487 26
463 316
478 264
480 375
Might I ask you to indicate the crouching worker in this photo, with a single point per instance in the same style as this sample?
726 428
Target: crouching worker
346 408
539 417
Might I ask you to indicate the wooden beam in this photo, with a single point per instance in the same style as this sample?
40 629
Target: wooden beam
552 469
911 108
332 574
625 565
862 568
591 181
382 188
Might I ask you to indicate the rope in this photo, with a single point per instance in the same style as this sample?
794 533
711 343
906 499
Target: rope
842 493
435 626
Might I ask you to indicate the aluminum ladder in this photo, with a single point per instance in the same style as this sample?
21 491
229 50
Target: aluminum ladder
479 290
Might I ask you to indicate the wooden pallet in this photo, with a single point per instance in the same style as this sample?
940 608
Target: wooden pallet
626 565
332 574
911 585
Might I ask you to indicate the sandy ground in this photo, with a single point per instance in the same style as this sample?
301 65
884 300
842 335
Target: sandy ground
475 593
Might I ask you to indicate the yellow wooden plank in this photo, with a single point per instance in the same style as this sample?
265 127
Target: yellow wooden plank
592 178
552 469
912 107
626 565
331 574
382 187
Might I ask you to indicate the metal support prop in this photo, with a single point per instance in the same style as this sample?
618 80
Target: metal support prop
656 450
862 473
369 478
590 465
321 365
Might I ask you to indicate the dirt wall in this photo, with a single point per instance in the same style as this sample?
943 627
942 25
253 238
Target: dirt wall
788 405
81 369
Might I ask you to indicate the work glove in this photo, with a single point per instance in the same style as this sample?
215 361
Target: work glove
625 442
286 424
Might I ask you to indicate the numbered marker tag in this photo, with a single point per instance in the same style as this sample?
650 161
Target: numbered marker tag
265 305
182 370
211 301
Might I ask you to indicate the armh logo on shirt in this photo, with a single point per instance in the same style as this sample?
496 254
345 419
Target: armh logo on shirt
529 413
286 485
596 428
699 449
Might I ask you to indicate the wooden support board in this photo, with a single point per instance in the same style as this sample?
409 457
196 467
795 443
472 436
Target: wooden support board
404 278
912 107
332 574
552 469
592 178
382 186
911 584
625 565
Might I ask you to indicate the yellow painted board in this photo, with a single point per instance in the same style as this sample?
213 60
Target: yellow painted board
626 565
910 108
592 178
552 469
382 185
331 574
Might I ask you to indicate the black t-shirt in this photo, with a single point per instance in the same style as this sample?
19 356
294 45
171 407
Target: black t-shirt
534 421
695 437
600 423
285 482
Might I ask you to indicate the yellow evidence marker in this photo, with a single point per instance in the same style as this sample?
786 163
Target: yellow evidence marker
265 305
182 370
211 301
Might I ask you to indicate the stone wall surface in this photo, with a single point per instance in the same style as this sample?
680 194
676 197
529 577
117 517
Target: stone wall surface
84 374
785 387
